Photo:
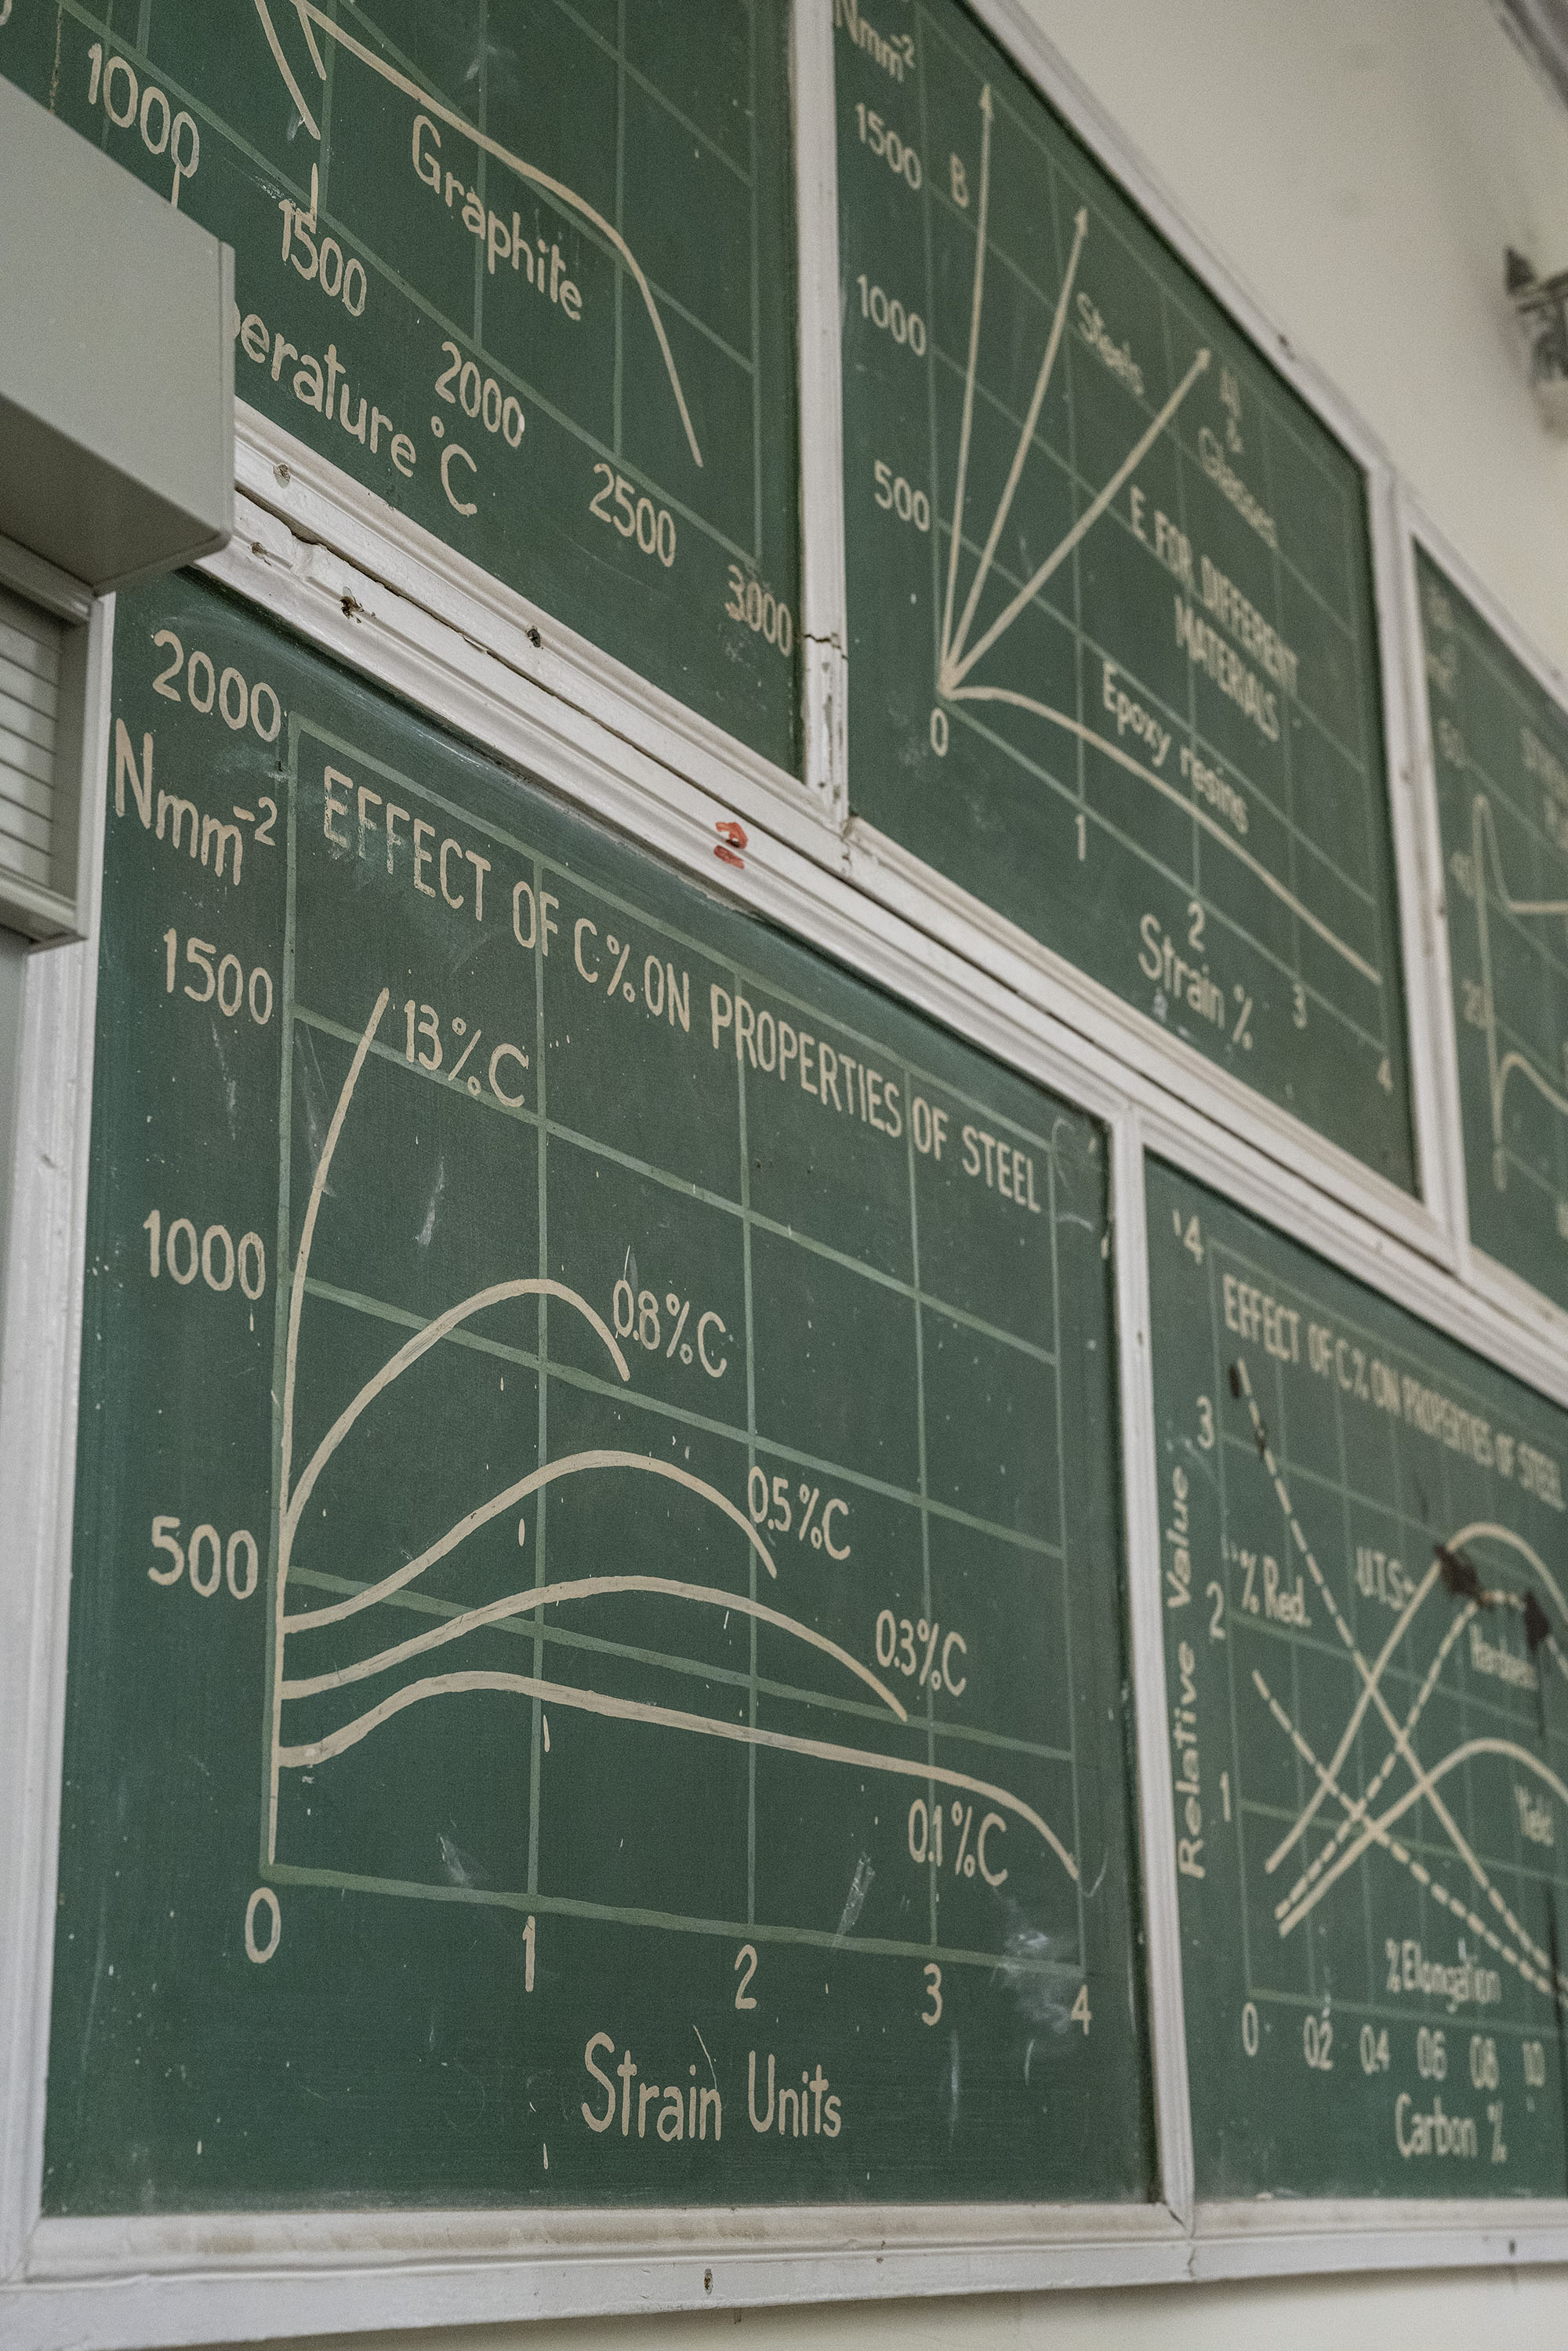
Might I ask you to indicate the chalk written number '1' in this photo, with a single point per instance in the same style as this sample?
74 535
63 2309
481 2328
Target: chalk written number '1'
227 983
214 1256
899 157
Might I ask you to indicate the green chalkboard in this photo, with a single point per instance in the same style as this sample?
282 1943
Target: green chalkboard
1363 1573
1499 747
478 1212
524 269
1112 654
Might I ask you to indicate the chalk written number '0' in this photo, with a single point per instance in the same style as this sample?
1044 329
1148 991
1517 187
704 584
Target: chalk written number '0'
126 102
214 1256
894 495
227 985
653 527
765 614
480 397
205 1561
236 702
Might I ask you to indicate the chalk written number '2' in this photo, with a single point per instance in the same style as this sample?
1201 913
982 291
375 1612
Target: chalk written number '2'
653 527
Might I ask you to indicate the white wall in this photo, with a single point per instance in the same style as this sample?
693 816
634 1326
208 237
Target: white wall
1361 165
1437 2314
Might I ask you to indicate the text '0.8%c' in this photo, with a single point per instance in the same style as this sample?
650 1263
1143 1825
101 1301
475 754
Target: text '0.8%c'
428 1050
636 1316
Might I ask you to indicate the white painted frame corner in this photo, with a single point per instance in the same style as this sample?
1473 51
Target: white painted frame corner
1506 1290
824 623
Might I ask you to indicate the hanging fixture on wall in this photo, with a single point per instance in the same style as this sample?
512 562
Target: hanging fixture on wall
1541 316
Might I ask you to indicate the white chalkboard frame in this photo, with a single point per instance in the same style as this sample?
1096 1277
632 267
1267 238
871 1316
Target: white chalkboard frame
1505 1288
130 2281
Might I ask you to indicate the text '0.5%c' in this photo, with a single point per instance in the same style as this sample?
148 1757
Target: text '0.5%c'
430 1045
772 1508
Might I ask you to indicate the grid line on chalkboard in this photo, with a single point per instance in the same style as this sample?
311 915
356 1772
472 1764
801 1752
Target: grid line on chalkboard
536 1708
1239 1778
1059 1433
751 1309
933 1885
944 1735
1020 1965
660 1407
1292 832
752 123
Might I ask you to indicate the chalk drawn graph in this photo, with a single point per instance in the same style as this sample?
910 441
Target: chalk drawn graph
392 1662
958 657
310 16
1486 875
1360 1826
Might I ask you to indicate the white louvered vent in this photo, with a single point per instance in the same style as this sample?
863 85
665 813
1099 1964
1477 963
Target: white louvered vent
30 643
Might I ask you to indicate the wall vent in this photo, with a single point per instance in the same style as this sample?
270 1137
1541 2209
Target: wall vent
30 648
